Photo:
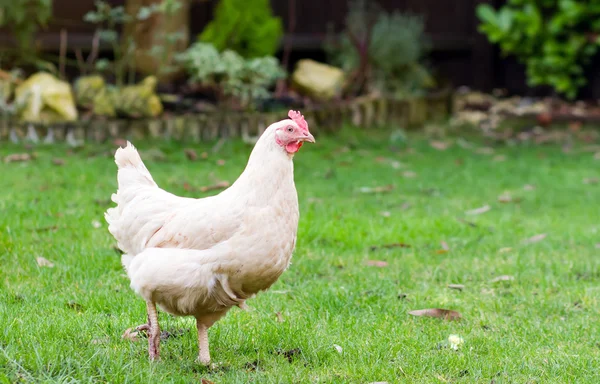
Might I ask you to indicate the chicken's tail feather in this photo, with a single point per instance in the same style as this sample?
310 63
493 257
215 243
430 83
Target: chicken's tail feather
131 168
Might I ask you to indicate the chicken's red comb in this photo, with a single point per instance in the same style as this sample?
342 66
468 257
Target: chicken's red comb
298 119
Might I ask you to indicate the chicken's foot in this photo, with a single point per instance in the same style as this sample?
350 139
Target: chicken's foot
204 353
154 335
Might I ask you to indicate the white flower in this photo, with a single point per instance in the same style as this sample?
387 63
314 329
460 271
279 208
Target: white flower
455 341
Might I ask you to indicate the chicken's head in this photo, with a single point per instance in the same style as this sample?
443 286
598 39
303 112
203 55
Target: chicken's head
292 133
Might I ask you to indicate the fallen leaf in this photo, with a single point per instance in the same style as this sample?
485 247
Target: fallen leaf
58 161
385 213
444 245
505 249
17 157
478 211
441 251
380 159
289 354
130 334
396 164
439 313
385 188
206 381
388 246
377 263
439 145
597 156
598 245
337 348
409 174
120 142
96 224
591 180
190 154
43 262
220 162
220 185
529 187
502 278
536 238
499 158
484 151
187 186
204 155
279 317
458 287
505 198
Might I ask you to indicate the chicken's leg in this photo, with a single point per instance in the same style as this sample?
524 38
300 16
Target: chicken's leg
154 335
204 354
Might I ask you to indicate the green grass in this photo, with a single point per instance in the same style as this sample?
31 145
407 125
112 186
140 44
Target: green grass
64 324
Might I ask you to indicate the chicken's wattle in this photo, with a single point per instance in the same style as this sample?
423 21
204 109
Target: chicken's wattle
293 147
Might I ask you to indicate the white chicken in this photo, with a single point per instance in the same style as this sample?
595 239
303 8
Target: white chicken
200 257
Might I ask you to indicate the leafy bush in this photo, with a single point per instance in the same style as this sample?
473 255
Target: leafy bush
392 45
23 18
555 39
244 80
245 26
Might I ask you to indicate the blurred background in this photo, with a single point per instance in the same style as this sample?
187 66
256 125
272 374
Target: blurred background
401 62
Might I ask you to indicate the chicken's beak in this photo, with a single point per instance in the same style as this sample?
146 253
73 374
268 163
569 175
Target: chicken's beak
308 137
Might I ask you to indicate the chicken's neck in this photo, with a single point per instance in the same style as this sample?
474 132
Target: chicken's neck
269 172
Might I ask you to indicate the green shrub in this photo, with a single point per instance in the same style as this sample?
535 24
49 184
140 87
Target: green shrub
23 18
245 26
555 39
396 47
234 77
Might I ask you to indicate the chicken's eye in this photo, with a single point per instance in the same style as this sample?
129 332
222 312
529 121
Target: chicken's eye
290 129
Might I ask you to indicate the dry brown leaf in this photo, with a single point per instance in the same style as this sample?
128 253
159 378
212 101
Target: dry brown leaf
597 156
220 185
130 334
439 313
17 157
190 154
377 263
485 151
529 187
444 245
220 162
279 317
536 238
206 381
502 278
120 142
409 174
43 262
591 180
384 188
458 287
388 246
204 155
441 251
499 158
58 161
439 145
505 198
478 211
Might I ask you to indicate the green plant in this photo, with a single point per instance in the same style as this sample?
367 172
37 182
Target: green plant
23 18
160 53
245 26
555 39
382 51
234 77
107 19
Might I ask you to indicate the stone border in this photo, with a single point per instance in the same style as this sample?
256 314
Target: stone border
368 112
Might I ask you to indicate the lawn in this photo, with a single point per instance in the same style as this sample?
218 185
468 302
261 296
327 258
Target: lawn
528 262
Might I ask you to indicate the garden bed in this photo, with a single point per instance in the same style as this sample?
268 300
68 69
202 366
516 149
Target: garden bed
366 111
